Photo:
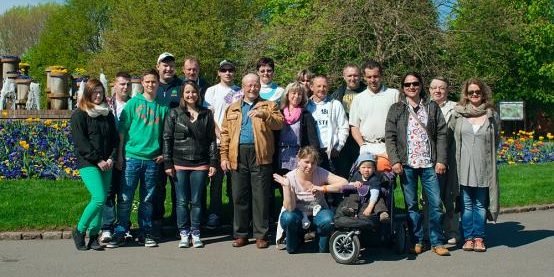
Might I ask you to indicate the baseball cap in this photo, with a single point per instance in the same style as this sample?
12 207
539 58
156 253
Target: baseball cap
225 64
165 56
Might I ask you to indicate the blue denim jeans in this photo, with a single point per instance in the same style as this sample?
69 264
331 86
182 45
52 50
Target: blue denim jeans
291 222
146 172
474 212
189 188
110 209
431 188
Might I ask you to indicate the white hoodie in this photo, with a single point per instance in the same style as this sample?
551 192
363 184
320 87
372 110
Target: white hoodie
332 124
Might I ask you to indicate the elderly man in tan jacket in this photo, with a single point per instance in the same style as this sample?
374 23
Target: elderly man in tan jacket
247 147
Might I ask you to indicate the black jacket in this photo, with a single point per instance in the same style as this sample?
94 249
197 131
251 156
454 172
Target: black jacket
339 93
396 132
189 144
95 138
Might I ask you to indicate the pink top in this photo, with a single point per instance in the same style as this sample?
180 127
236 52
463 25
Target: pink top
306 200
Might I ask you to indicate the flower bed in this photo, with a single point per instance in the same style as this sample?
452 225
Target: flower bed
523 147
35 148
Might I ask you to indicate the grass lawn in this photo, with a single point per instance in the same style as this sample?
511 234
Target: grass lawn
55 205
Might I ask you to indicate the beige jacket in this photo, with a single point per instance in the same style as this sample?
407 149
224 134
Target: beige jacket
263 128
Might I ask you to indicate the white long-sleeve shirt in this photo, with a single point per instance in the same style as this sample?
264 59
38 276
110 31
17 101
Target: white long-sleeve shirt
331 121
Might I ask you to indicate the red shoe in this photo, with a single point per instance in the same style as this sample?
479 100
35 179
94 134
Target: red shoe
468 245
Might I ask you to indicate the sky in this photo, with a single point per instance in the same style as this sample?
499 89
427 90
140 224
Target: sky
7 4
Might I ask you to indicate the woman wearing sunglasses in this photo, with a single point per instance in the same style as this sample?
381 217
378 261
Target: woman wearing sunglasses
416 140
476 125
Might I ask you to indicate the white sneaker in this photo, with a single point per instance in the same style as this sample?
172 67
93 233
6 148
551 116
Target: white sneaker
185 240
106 236
196 242
150 241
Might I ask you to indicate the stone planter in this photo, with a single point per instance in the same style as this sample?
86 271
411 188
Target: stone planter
9 64
58 95
23 85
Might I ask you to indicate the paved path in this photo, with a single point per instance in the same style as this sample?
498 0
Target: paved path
519 245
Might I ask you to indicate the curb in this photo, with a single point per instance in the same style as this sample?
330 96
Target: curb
66 234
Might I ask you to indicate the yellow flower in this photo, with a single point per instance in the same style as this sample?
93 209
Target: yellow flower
511 162
67 170
522 139
55 126
5 113
541 138
29 119
47 122
510 141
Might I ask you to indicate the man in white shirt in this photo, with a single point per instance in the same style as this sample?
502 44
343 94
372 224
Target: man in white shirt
217 99
332 124
368 112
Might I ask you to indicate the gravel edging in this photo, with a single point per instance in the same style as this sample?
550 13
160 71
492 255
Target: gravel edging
66 234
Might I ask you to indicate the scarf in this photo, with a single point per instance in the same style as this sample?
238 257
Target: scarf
292 116
102 109
470 110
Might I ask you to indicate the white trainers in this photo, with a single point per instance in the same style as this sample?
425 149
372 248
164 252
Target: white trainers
106 236
149 241
196 242
185 240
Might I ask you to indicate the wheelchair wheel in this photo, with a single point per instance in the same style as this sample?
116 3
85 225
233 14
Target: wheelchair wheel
344 247
400 238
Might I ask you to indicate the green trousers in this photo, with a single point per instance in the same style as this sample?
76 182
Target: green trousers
97 182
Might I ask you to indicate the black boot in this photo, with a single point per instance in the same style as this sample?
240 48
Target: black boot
79 239
94 244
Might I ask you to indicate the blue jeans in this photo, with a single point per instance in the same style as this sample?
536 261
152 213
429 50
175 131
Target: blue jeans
146 172
431 188
474 212
291 222
189 188
110 208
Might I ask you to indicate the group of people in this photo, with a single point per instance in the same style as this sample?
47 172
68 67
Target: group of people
298 139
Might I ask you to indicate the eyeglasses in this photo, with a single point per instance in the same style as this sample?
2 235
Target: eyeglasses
476 92
226 70
415 84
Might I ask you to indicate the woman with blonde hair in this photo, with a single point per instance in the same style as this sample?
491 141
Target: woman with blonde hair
475 124
95 138
304 190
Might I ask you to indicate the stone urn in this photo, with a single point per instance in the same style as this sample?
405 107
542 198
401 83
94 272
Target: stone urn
58 95
22 87
9 64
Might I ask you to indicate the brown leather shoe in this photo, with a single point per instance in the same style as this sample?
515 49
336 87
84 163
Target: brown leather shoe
441 251
262 243
240 242
479 245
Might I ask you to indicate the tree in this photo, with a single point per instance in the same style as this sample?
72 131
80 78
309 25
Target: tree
22 26
72 35
141 30
324 35
506 43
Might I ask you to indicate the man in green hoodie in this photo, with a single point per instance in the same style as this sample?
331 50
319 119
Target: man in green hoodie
140 132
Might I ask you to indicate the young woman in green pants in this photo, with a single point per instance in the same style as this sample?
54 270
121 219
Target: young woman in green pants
95 139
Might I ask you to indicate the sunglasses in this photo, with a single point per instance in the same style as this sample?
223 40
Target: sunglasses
415 84
476 92
226 70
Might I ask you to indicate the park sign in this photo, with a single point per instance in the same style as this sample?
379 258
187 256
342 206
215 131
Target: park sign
512 110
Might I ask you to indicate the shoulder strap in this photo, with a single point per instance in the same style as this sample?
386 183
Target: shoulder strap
417 119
